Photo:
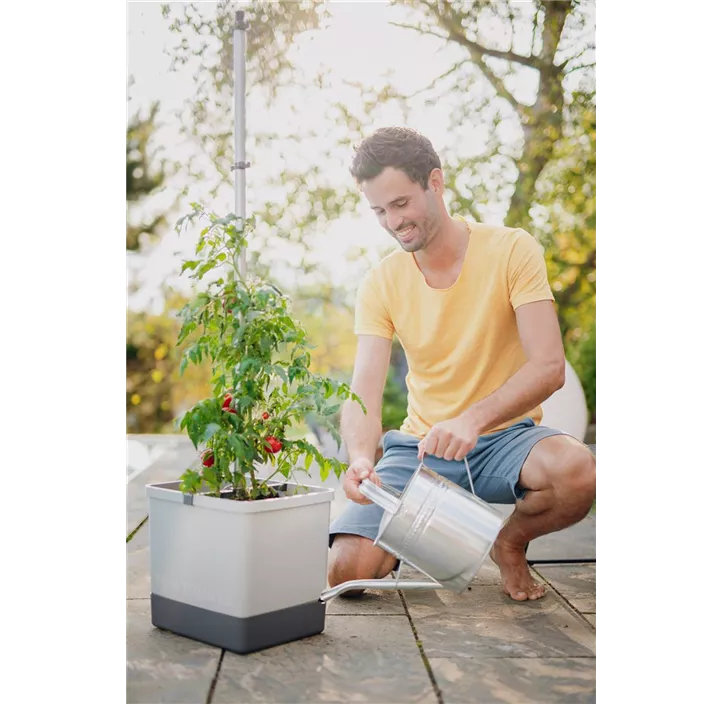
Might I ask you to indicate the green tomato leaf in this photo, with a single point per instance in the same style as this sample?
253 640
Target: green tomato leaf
210 431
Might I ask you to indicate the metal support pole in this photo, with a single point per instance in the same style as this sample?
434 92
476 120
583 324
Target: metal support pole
239 99
239 114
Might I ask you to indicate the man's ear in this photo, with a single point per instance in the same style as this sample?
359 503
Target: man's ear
436 181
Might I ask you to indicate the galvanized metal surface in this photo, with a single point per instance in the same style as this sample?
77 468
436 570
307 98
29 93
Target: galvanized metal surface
437 527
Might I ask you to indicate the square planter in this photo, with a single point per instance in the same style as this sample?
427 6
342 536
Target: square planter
240 575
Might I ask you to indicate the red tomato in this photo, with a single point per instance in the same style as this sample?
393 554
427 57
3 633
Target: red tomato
227 404
273 445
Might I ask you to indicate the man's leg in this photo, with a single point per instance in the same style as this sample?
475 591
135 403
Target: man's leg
560 478
356 557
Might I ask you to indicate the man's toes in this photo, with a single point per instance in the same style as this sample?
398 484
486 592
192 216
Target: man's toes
537 592
531 592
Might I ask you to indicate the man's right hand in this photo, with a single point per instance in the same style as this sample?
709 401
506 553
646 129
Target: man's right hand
357 471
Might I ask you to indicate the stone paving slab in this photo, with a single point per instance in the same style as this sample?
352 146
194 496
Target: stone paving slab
375 602
123 511
163 667
355 659
577 542
515 680
123 581
576 583
488 574
123 622
137 565
485 623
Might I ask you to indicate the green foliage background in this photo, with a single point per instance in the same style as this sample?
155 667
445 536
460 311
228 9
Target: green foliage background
545 180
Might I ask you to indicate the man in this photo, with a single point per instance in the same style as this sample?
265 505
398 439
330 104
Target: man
472 308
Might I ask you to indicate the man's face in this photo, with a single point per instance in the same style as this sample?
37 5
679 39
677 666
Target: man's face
405 210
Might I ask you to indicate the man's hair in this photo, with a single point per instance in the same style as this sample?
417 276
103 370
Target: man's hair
398 147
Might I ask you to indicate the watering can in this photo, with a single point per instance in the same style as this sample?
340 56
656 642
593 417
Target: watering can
434 526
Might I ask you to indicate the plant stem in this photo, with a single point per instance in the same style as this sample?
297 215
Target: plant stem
254 482
268 478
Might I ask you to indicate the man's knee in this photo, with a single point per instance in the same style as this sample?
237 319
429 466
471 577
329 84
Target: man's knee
355 557
580 471
565 465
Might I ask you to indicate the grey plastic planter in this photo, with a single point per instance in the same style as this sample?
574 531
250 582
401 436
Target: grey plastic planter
240 575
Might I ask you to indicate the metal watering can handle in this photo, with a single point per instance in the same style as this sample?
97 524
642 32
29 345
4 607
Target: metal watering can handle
385 496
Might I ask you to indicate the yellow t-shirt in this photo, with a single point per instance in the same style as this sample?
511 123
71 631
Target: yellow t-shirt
462 342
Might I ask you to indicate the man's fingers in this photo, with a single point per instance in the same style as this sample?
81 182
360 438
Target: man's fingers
442 444
431 444
352 482
453 449
423 449
372 477
352 492
463 451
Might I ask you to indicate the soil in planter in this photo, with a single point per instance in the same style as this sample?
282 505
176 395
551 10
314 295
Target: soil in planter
264 493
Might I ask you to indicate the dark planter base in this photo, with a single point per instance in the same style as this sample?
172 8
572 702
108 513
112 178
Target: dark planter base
240 635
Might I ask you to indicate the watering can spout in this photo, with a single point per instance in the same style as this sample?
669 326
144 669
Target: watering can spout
388 584
379 495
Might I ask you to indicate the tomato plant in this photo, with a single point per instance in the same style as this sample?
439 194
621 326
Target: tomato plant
261 382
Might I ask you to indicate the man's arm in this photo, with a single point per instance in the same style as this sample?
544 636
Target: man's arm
536 381
362 432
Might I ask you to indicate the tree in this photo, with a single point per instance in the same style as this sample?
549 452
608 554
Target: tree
547 176
143 177
206 40
151 394
542 178
304 197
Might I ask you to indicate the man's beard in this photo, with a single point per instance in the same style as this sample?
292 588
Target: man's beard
423 233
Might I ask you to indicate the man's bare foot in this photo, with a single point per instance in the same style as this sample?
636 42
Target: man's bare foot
518 582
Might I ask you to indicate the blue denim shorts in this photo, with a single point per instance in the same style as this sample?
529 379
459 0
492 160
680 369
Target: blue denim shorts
495 465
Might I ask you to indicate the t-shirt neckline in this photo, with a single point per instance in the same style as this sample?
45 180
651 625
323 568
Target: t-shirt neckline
463 264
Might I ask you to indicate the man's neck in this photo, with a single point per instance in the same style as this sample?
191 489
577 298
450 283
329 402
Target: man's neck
447 249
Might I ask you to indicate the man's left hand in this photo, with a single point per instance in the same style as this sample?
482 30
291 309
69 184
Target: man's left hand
451 439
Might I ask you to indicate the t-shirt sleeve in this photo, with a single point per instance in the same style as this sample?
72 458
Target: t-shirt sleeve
527 272
372 316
